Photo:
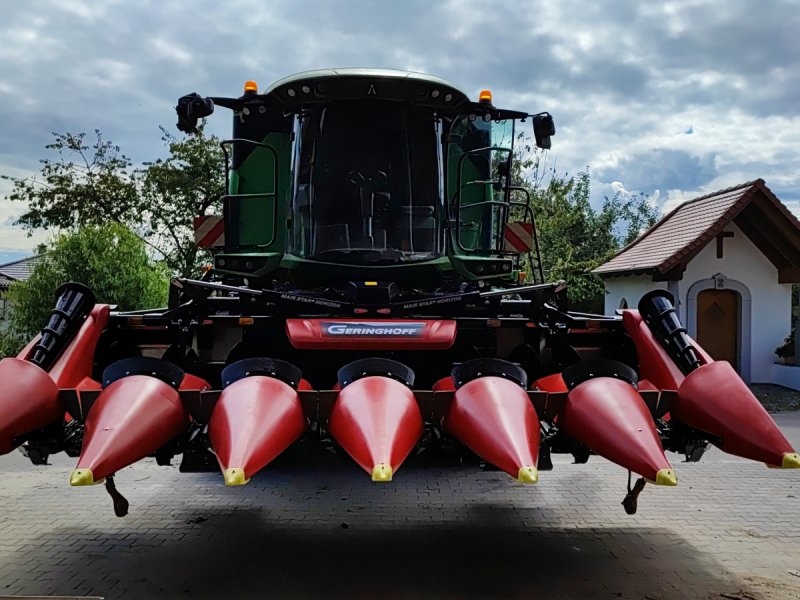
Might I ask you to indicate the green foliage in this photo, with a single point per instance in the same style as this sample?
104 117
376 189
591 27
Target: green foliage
575 237
84 185
189 183
94 184
786 349
109 259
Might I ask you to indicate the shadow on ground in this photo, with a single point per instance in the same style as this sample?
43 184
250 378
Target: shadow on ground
242 554
335 540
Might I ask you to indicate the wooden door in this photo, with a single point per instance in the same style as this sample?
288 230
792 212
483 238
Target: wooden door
718 324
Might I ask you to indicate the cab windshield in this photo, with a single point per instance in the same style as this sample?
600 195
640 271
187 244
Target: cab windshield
367 187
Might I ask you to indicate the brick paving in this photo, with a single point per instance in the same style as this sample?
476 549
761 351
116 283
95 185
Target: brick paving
314 526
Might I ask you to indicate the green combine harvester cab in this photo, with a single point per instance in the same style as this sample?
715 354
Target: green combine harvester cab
379 293
369 174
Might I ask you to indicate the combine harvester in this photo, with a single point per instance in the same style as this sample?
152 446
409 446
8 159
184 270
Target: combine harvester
379 284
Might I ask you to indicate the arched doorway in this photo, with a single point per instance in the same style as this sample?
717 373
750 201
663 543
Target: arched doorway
719 324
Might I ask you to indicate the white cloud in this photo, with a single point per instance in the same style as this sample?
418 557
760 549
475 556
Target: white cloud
624 80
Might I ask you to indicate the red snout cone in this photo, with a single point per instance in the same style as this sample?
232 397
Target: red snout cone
28 400
377 422
132 418
495 419
609 416
255 419
714 399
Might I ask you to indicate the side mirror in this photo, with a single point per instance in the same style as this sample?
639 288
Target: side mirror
191 108
543 128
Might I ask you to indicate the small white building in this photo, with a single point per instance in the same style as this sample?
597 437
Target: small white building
730 259
18 270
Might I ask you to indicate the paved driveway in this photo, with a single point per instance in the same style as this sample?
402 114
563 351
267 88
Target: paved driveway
314 526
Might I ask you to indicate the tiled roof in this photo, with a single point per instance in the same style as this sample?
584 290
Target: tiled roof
5 282
20 270
681 234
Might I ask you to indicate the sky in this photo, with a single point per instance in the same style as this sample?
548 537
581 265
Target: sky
669 99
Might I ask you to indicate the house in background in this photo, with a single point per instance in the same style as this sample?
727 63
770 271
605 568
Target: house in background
730 259
18 270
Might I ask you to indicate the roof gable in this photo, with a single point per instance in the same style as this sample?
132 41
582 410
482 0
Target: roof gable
665 249
22 269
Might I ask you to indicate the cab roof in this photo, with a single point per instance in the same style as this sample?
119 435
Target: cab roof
322 85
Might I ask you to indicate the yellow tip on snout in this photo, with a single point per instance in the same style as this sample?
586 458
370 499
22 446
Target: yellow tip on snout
666 477
791 460
234 477
83 477
382 472
528 475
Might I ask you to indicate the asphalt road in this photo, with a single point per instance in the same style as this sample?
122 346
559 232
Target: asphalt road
313 526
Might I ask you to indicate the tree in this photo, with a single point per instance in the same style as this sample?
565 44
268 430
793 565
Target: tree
93 184
84 185
109 259
574 237
189 183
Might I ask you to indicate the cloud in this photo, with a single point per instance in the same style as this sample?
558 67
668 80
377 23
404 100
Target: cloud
625 80
661 169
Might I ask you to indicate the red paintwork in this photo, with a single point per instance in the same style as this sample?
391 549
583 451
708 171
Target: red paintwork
254 420
445 384
304 386
655 364
309 334
131 418
87 384
647 386
193 382
705 357
714 399
495 419
608 416
75 364
73 369
28 400
550 383
376 420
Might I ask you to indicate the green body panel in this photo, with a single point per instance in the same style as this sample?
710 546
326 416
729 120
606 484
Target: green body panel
472 220
233 181
256 215
418 272
256 265
483 267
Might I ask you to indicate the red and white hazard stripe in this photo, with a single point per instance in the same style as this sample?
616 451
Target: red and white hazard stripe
209 231
518 237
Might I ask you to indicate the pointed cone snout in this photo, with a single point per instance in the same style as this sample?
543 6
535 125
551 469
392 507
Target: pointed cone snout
376 420
714 399
608 416
131 418
28 400
666 477
495 419
382 472
254 420
791 460
528 475
82 477
234 477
